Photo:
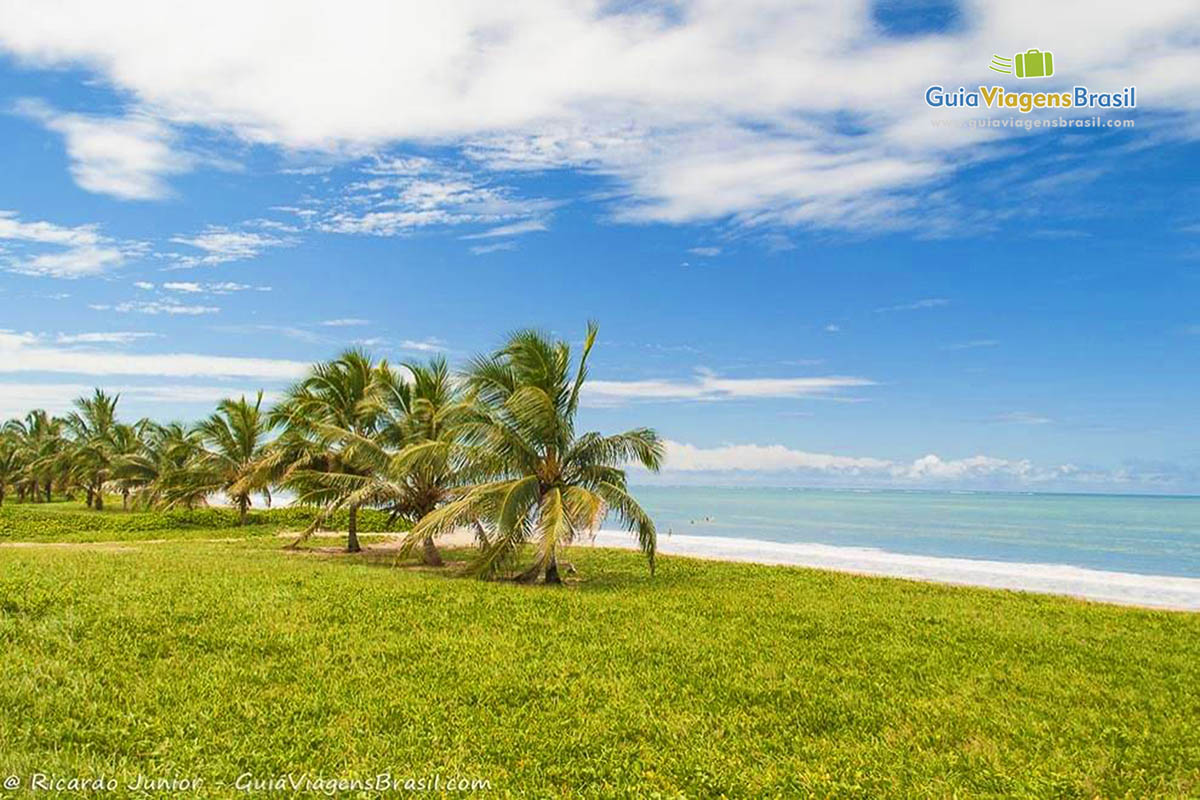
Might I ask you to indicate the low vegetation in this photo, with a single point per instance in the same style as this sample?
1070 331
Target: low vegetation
74 522
217 659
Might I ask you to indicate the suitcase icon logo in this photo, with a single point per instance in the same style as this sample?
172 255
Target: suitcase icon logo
1032 63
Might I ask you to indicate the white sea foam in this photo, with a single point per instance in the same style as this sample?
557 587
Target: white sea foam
1092 584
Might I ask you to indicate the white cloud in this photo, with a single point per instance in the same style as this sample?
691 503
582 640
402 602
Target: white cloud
777 458
514 229
705 252
228 287
831 328
1023 418
400 196
127 157
290 331
220 245
44 248
790 113
682 457
974 344
707 386
25 352
155 308
224 287
144 285
934 467
931 302
484 249
345 322
113 337
429 345
17 399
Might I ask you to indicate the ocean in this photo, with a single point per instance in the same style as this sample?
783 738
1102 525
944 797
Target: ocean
1123 548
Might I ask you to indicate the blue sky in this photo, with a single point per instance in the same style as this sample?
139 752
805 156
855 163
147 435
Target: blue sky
803 275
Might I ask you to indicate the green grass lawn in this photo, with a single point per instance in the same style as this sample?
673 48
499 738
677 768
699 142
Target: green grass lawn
205 659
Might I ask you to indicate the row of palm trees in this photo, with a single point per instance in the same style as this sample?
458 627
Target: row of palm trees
492 449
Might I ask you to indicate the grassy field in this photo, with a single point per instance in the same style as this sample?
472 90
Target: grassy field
214 660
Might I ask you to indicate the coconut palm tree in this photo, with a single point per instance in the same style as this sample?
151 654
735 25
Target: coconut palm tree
547 485
232 442
39 439
164 458
94 444
128 447
410 464
11 465
326 418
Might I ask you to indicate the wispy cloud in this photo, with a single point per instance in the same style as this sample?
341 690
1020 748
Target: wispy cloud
399 196
18 398
155 308
111 337
345 322
512 229
45 248
1022 418
973 344
429 345
290 331
484 249
225 287
27 352
930 302
220 245
705 252
708 386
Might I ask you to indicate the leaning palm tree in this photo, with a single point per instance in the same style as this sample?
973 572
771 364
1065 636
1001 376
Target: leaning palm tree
325 417
547 485
233 440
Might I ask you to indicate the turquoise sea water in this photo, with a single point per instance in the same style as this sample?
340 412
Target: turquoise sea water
1124 533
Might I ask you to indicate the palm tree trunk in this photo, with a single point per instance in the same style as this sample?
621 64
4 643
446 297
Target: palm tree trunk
90 497
552 571
1 495
243 507
49 497
124 500
352 545
431 556
99 494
